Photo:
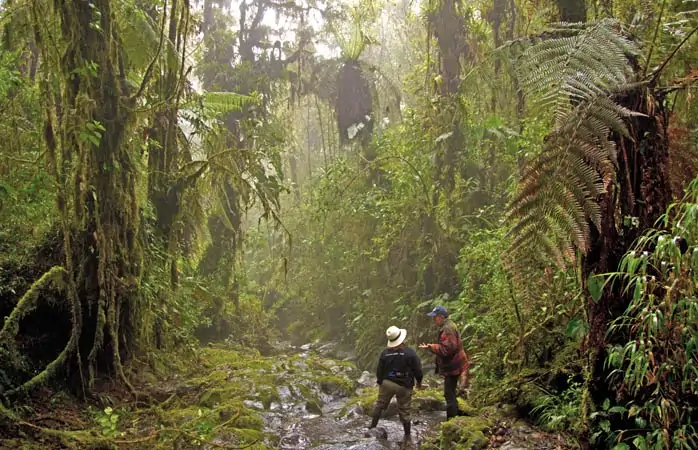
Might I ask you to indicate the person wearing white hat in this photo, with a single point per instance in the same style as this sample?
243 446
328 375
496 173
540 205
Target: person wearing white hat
398 369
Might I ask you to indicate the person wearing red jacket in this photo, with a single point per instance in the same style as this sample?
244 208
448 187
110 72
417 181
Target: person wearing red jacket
451 359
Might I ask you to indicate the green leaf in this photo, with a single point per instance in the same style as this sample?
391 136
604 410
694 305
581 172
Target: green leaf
605 426
225 102
595 286
576 328
621 446
640 443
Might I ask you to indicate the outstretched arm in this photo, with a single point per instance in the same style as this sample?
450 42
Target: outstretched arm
447 346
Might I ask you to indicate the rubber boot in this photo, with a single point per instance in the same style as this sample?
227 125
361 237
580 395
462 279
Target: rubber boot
374 421
407 426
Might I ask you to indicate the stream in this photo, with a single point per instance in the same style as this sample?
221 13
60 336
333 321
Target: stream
336 419
335 423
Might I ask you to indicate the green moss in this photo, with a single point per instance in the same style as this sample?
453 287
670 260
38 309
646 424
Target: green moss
464 433
366 401
336 385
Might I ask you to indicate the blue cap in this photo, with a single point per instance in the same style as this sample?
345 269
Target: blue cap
438 311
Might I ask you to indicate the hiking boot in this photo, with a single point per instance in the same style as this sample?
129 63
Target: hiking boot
374 421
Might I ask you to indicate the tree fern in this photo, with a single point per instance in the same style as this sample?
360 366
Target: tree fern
578 76
225 102
140 35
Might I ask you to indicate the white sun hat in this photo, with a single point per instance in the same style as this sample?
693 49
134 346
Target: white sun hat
395 336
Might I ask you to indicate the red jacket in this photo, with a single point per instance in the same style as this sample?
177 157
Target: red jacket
450 356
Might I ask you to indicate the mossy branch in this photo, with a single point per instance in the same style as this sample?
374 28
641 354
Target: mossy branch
27 304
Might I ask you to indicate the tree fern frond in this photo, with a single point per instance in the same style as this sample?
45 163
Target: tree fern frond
592 61
578 75
140 35
225 102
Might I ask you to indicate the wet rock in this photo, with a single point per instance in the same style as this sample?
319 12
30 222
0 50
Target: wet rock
336 386
293 441
329 350
300 365
306 347
511 446
285 394
378 433
313 407
354 412
366 379
254 404
429 404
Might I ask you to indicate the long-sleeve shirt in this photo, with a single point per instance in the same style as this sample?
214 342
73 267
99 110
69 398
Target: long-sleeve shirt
450 356
400 365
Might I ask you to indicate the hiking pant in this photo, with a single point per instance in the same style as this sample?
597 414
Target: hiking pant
450 386
389 389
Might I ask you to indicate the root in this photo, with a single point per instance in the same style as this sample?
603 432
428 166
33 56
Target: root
49 370
28 302
26 305
83 439
182 433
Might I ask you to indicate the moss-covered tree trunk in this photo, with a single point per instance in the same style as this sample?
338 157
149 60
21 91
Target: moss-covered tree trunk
91 154
633 203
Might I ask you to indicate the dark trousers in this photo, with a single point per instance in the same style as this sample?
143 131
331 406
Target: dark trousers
450 385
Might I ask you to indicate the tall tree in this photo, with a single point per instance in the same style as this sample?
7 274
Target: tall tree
87 123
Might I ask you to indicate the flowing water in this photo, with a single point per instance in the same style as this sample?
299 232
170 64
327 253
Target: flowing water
336 424
309 414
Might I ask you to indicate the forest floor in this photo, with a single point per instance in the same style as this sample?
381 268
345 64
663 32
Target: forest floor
225 397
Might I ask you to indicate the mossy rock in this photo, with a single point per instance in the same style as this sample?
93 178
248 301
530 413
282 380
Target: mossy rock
465 433
216 396
335 385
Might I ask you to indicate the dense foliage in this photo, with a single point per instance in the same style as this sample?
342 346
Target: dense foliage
175 173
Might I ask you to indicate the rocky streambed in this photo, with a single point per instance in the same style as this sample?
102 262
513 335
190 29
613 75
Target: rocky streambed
290 398
322 402
325 404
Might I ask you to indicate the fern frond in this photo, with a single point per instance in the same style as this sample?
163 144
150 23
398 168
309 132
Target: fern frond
225 102
578 75
140 35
